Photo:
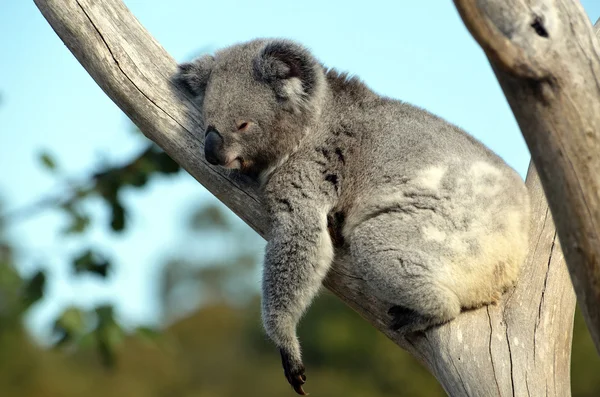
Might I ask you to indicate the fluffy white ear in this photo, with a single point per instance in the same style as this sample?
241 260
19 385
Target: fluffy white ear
289 68
194 76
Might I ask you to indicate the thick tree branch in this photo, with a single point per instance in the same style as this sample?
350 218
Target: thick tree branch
519 347
557 107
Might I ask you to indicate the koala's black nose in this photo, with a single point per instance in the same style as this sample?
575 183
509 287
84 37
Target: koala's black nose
213 146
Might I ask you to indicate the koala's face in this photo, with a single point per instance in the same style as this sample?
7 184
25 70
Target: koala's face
240 114
254 100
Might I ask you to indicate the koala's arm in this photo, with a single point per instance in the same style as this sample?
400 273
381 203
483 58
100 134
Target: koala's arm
298 256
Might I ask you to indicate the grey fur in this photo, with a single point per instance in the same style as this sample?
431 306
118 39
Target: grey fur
434 221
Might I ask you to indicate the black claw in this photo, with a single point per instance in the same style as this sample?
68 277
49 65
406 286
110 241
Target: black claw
294 372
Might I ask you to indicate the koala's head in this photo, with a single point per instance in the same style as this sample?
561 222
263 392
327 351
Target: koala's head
257 100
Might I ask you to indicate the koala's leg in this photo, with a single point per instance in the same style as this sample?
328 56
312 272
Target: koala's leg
298 256
404 270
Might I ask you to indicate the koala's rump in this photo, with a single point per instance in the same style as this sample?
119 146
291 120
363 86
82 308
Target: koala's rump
471 217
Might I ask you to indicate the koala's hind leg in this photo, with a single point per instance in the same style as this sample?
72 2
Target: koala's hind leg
401 268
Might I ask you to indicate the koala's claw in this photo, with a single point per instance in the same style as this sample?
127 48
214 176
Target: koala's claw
297 383
294 372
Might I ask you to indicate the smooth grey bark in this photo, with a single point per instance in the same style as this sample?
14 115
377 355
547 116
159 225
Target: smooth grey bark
546 56
521 346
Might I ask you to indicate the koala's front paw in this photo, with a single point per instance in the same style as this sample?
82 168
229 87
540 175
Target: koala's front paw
185 75
193 76
405 320
294 372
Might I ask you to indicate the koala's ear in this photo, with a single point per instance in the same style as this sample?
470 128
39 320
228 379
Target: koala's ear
193 76
289 68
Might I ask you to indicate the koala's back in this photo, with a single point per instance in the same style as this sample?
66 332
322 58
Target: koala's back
458 200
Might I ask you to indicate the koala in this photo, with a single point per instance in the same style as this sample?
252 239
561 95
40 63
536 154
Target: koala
432 220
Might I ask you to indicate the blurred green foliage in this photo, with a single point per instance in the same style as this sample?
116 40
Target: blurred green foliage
212 343
217 350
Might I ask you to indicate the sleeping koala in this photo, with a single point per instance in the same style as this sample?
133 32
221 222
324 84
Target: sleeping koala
433 221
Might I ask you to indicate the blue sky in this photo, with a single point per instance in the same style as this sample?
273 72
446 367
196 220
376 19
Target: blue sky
416 51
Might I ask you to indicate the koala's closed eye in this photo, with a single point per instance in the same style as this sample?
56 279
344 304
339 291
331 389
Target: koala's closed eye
243 126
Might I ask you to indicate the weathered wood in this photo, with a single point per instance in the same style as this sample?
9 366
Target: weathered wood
519 347
546 57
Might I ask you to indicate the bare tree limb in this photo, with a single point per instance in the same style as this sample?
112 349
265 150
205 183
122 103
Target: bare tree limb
546 57
519 347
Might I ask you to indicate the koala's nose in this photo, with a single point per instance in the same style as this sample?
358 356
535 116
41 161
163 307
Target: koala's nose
213 146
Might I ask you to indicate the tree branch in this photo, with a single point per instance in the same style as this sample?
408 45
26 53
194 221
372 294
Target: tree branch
558 111
521 345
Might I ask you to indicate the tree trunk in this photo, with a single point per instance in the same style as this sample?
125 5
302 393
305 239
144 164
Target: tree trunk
521 346
545 56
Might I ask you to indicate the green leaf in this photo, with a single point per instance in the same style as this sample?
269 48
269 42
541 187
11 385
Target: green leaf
72 319
108 335
34 288
48 161
117 220
70 326
166 164
138 179
92 262
105 315
79 223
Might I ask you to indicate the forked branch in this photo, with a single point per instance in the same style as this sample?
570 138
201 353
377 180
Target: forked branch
558 109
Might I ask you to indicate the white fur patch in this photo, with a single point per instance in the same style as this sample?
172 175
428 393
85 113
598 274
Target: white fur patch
265 174
325 247
487 180
431 177
431 233
294 92
481 168
325 251
458 244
